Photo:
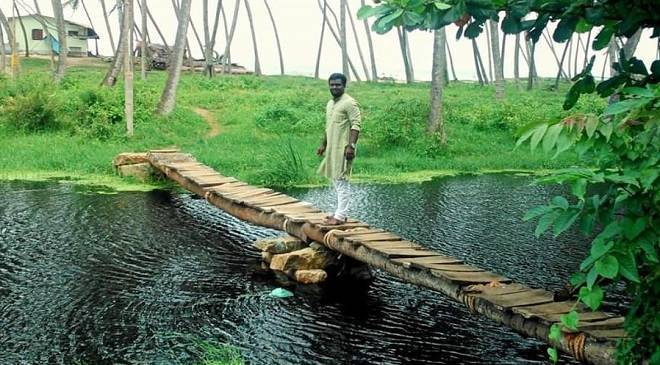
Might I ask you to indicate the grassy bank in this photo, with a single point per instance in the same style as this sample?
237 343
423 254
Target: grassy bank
270 127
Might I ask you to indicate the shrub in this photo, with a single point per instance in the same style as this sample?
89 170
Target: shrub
33 111
399 123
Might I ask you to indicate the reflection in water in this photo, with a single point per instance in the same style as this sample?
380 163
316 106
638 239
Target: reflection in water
142 277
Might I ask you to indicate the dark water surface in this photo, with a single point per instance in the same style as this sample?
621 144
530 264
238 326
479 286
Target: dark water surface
88 277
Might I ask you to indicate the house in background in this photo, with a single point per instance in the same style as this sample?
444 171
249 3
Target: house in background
38 41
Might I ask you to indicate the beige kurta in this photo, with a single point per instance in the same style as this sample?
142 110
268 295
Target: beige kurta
340 117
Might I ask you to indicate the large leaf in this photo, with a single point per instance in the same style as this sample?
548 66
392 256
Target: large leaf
599 248
551 136
579 188
560 202
538 134
632 229
628 266
570 320
564 221
603 38
592 297
441 6
536 211
623 106
607 267
474 29
585 85
545 222
565 29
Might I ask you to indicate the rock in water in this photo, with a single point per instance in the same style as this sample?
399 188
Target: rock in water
310 276
305 259
280 293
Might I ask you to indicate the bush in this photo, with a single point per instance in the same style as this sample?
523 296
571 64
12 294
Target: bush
400 123
34 111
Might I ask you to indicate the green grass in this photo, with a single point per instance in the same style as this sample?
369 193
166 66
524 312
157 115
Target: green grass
268 122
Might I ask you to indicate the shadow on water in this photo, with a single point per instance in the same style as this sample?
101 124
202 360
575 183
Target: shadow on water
144 277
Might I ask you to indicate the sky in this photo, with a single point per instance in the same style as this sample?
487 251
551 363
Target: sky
299 27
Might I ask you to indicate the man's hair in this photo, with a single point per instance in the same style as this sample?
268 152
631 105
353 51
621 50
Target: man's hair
338 76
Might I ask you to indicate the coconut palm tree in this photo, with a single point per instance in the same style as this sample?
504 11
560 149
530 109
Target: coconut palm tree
3 56
318 55
277 37
168 98
107 25
143 45
435 122
342 37
403 44
230 38
497 63
336 37
127 26
357 43
372 56
25 37
257 65
61 34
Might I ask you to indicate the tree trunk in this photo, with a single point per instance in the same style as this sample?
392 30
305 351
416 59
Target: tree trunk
231 36
497 63
612 52
61 34
408 54
337 39
277 37
404 55
532 66
318 55
503 49
516 60
481 62
187 50
110 78
11 38
153 22
372 56
226 26
96 41
435 122
476 62
367 75
489 48
577 53
342 36
3 56
602 75
548 40
127 26
257 65
570 57
451 60
25 37
42 21
631 43
107 26
586 50
143 46
560 66
168 99
208 52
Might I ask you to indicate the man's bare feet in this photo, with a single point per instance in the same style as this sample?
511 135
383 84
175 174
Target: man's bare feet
332 221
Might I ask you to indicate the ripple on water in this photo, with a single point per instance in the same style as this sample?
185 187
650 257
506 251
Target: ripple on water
143 277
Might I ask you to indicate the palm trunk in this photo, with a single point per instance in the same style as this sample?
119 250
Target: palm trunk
224 23
257 65
143 48
367 75
277 37
107 25
516 60
110 78
231 36
560 66
408 54
96 41
61 34
481 63
153 22
476 62
337 39
631 44
570 57
435 121
532 66
168 99
127 26
208 66
404 54
489 49
497 63
25 37
502 54
577 53
41 21
197 38
210 42
586 50
187 51
342 37
602 74
612 52
548 40
451 60
3 56
318 55
372 56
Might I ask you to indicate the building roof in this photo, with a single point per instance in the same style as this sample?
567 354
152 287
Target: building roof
91 33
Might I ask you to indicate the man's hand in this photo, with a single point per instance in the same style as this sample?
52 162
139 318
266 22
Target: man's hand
321 150
349 152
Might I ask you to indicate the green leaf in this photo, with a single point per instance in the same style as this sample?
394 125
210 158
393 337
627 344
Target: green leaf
650 249
578 279
411 19
565 28
607 267
570 320
389 19
603 38
593 297
545 222
592 275
623 106
587 224
628 266
606 129
536 211
564 221
590 124
555 332
638 91
647 177
511 25
564 142
579 188
552 354
367 11
598 248
551 136
609 231
441 6
538 134
632 229
560 202
474 29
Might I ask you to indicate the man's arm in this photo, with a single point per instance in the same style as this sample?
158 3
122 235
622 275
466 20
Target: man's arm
355 118
350 150
321 150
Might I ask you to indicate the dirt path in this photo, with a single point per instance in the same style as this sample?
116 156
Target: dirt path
210 120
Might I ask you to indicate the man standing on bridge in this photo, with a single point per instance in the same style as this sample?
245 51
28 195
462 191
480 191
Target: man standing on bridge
342 128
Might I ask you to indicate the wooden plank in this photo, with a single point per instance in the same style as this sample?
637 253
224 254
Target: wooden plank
487 291
378 245
405 252
385 236
436 259
529 297
584 316
609 334
471 277
256 200
213 182
358 232
544 309
279 202
325 227
605 324
258 192
454 267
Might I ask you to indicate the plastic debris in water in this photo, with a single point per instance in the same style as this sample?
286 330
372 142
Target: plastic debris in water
281 293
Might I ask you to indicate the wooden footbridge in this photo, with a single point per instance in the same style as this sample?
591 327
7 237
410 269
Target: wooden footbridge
526 310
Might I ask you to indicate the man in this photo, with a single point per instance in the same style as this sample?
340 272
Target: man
342 128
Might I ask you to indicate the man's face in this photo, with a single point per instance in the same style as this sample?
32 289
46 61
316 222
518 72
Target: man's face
336 87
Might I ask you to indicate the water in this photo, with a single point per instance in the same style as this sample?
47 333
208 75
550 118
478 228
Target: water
91 277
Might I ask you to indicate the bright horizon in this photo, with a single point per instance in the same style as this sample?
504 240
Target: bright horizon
299 26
